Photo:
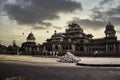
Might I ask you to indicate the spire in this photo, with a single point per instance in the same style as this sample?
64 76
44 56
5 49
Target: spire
73 21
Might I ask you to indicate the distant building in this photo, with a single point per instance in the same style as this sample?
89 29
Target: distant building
29 47
2 49
13 49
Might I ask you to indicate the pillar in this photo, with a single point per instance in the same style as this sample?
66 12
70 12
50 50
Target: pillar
73 47
114 47
53 47
106 47
119 46
59 47
85 49
30 50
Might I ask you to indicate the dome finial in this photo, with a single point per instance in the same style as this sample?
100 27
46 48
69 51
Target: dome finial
109 22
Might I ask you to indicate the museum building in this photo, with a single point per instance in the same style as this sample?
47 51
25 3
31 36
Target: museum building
75 40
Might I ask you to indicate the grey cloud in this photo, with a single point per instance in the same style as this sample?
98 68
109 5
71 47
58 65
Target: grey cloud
56 27
105 15
112 14
114 11
32 12
90 24
105 2
101 16
2 3
98 13
39 27
115 20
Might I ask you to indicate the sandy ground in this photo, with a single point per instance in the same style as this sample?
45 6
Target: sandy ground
50 61
34 61
27 58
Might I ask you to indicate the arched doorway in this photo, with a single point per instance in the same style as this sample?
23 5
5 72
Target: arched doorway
81 48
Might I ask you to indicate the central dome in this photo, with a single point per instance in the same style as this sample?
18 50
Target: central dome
109 26
74 26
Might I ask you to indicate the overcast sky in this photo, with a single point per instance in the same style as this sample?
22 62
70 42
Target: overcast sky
42 17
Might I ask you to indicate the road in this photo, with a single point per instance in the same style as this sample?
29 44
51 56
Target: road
30 72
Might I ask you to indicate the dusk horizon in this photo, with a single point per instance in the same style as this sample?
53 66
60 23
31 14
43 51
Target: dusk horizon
19 17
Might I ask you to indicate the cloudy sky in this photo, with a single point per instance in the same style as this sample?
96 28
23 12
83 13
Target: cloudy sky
43 17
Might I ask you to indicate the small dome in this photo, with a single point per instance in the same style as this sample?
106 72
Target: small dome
31 36
109 26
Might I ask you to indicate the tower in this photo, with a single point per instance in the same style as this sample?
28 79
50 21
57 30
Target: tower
110 31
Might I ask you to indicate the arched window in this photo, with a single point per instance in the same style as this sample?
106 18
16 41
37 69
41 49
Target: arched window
56 47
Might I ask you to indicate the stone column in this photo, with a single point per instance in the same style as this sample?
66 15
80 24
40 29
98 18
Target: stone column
106 47
38 49
119 46
114 48
26 49
53 47
30 50
73 47
59 47
44 48
85 49
44 51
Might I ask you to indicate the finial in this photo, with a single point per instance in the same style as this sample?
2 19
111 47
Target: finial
73 22
109 22
55 31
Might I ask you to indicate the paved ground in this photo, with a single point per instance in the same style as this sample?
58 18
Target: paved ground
96 61
37 68
16 70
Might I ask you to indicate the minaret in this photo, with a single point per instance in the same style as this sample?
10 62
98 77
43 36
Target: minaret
110 31
14 43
